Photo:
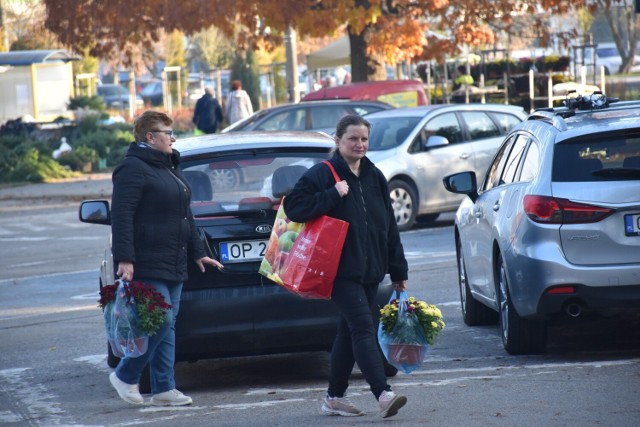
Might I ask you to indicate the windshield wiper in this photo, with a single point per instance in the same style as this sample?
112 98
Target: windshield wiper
624 173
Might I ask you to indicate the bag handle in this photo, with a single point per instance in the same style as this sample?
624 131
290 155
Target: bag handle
333 171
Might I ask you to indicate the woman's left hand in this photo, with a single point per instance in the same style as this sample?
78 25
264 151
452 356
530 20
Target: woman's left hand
206 260
400 286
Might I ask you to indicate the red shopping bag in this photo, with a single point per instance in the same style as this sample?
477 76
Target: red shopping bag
304 258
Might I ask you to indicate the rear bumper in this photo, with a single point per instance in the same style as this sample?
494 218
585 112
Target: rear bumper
590 298
255 320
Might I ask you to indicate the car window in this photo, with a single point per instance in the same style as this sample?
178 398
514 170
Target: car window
497 166
513 159
480 125
390 132
293 119
600 158
327 116
506 121
248 182
366 109
531 163
446 125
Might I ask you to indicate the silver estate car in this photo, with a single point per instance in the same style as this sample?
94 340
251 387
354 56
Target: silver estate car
553 228
416 147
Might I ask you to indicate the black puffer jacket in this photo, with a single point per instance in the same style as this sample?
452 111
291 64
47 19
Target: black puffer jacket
372 247
151 221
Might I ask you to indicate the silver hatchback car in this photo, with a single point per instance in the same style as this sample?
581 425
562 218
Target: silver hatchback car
416 147
554 227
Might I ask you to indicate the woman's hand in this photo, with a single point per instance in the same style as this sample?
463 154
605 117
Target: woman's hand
206 260
125 271
400 286
342 187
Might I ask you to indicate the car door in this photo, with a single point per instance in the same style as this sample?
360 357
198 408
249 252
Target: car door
430 164
493 206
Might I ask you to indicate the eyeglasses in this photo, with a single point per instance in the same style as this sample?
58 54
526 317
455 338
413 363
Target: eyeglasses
169 133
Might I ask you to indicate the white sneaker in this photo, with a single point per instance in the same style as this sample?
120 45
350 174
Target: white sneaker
171 398
390 403
127 392
340 406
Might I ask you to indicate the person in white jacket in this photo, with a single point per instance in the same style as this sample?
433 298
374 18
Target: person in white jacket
238 105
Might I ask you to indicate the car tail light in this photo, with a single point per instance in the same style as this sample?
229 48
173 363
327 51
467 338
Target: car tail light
553 210
562 290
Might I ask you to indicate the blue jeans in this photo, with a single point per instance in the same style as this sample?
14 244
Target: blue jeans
356 338
161 353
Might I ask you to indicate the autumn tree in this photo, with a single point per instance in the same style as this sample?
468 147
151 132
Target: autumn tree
379 30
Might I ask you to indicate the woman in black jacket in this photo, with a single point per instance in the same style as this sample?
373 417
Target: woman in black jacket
371 250
153 231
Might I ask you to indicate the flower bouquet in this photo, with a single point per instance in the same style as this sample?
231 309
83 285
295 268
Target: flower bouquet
407 328
132 313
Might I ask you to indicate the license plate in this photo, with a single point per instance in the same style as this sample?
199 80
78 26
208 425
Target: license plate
632 225
245 251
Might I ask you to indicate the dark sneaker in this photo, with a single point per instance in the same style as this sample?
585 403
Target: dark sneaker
127 392
340 406
390 403
171 398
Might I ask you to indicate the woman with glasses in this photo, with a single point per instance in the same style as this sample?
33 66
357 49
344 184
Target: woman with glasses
153 234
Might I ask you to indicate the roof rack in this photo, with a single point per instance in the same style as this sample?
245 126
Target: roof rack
596 101
554 116
551 116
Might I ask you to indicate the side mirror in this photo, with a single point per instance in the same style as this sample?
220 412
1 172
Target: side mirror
95 212
435 141
462 183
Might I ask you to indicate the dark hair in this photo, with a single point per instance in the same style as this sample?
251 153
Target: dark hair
236 84
462 69
148 121
350 120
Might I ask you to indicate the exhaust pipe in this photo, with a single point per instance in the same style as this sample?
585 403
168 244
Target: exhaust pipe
573 310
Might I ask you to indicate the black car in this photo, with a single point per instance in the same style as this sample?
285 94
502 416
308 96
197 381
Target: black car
312 115
238 181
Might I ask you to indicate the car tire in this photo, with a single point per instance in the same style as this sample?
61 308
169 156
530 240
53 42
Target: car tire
427 218
224 179
404 203
112 359
519 336
145 380
389 369
474 313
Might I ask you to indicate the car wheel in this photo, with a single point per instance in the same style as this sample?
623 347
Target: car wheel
519 336
474 313
145 380
389 369
425 219
404 202
112 359
224 178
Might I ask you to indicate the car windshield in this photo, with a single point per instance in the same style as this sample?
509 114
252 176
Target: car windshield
244 184
389 132
598 159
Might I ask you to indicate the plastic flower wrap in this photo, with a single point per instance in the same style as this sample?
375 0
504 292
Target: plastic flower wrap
132 313
427 315
407 328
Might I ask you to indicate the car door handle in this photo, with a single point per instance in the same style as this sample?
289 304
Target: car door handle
496 207
464 156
